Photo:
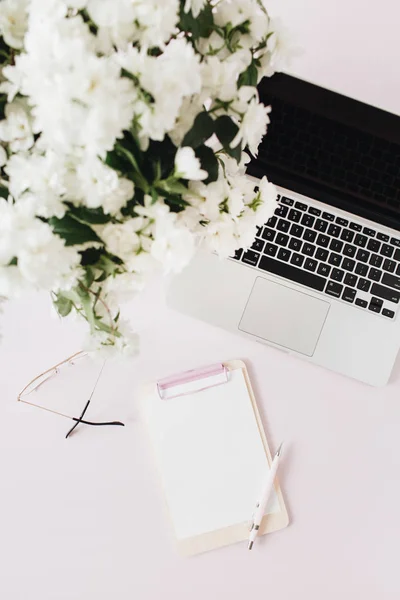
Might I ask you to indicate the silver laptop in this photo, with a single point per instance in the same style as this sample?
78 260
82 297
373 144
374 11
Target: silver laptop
322 278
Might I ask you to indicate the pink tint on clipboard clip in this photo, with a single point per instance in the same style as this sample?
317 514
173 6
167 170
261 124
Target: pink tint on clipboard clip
202 379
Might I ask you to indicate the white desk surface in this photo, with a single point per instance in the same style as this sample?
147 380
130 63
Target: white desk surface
84 518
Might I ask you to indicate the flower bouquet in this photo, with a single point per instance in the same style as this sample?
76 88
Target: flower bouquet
125 129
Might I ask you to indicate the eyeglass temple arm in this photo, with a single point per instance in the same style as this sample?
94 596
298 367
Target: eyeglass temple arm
94 423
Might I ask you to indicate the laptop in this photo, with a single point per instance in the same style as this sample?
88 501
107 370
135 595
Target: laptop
321 280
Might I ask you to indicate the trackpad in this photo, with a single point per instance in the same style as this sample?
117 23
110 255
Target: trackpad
284 316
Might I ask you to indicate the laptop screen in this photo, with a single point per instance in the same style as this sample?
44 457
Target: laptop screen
331 148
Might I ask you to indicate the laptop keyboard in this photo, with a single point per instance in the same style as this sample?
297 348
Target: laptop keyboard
332 255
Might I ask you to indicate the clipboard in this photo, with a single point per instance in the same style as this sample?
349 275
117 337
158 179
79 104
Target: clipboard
187 409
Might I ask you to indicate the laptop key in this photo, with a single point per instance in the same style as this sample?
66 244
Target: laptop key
375 260
283 225
391 280
295 244
334 230
308 249
333 289
361 302
383 237
323 240
363 255
348 294
368 231
310 264
350 279
375 305
314 211
360 240
328 216
398 270
397 255
389 265
272 221
269 234
383 292
270 249
296 230
321 225
361 269
337 274
292 273
355 226
334 259
375 274
284 254
388 313
250 258
342 222
300 206
287 201
258 245
347 235
336 245
294 215
324 270
387 250
395 242
363 285
238 254
348 264
308 220
309 235
297 259
282 239
281 211
349 250
322 254
373 245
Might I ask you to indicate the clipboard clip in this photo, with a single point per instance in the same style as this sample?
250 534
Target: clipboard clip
190 382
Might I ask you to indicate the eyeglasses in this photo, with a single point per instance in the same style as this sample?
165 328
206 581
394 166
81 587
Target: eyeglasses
40 380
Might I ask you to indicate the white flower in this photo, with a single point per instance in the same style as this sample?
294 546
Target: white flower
253 126
3 156
280 47
173 248
187 165
13 82
13 22
268 195
196 6
97 185
108 345
42 258
44 177
16 128
122 239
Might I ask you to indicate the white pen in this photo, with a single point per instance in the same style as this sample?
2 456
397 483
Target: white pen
266 493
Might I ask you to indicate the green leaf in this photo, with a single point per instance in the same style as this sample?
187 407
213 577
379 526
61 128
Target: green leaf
93 216
63 305
176 203
201 26
208 162
226 130
201 131
235 153
4 192
248 77
173 187
13 262
72 231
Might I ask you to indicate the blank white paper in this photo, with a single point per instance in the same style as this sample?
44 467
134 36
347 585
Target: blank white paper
210 456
